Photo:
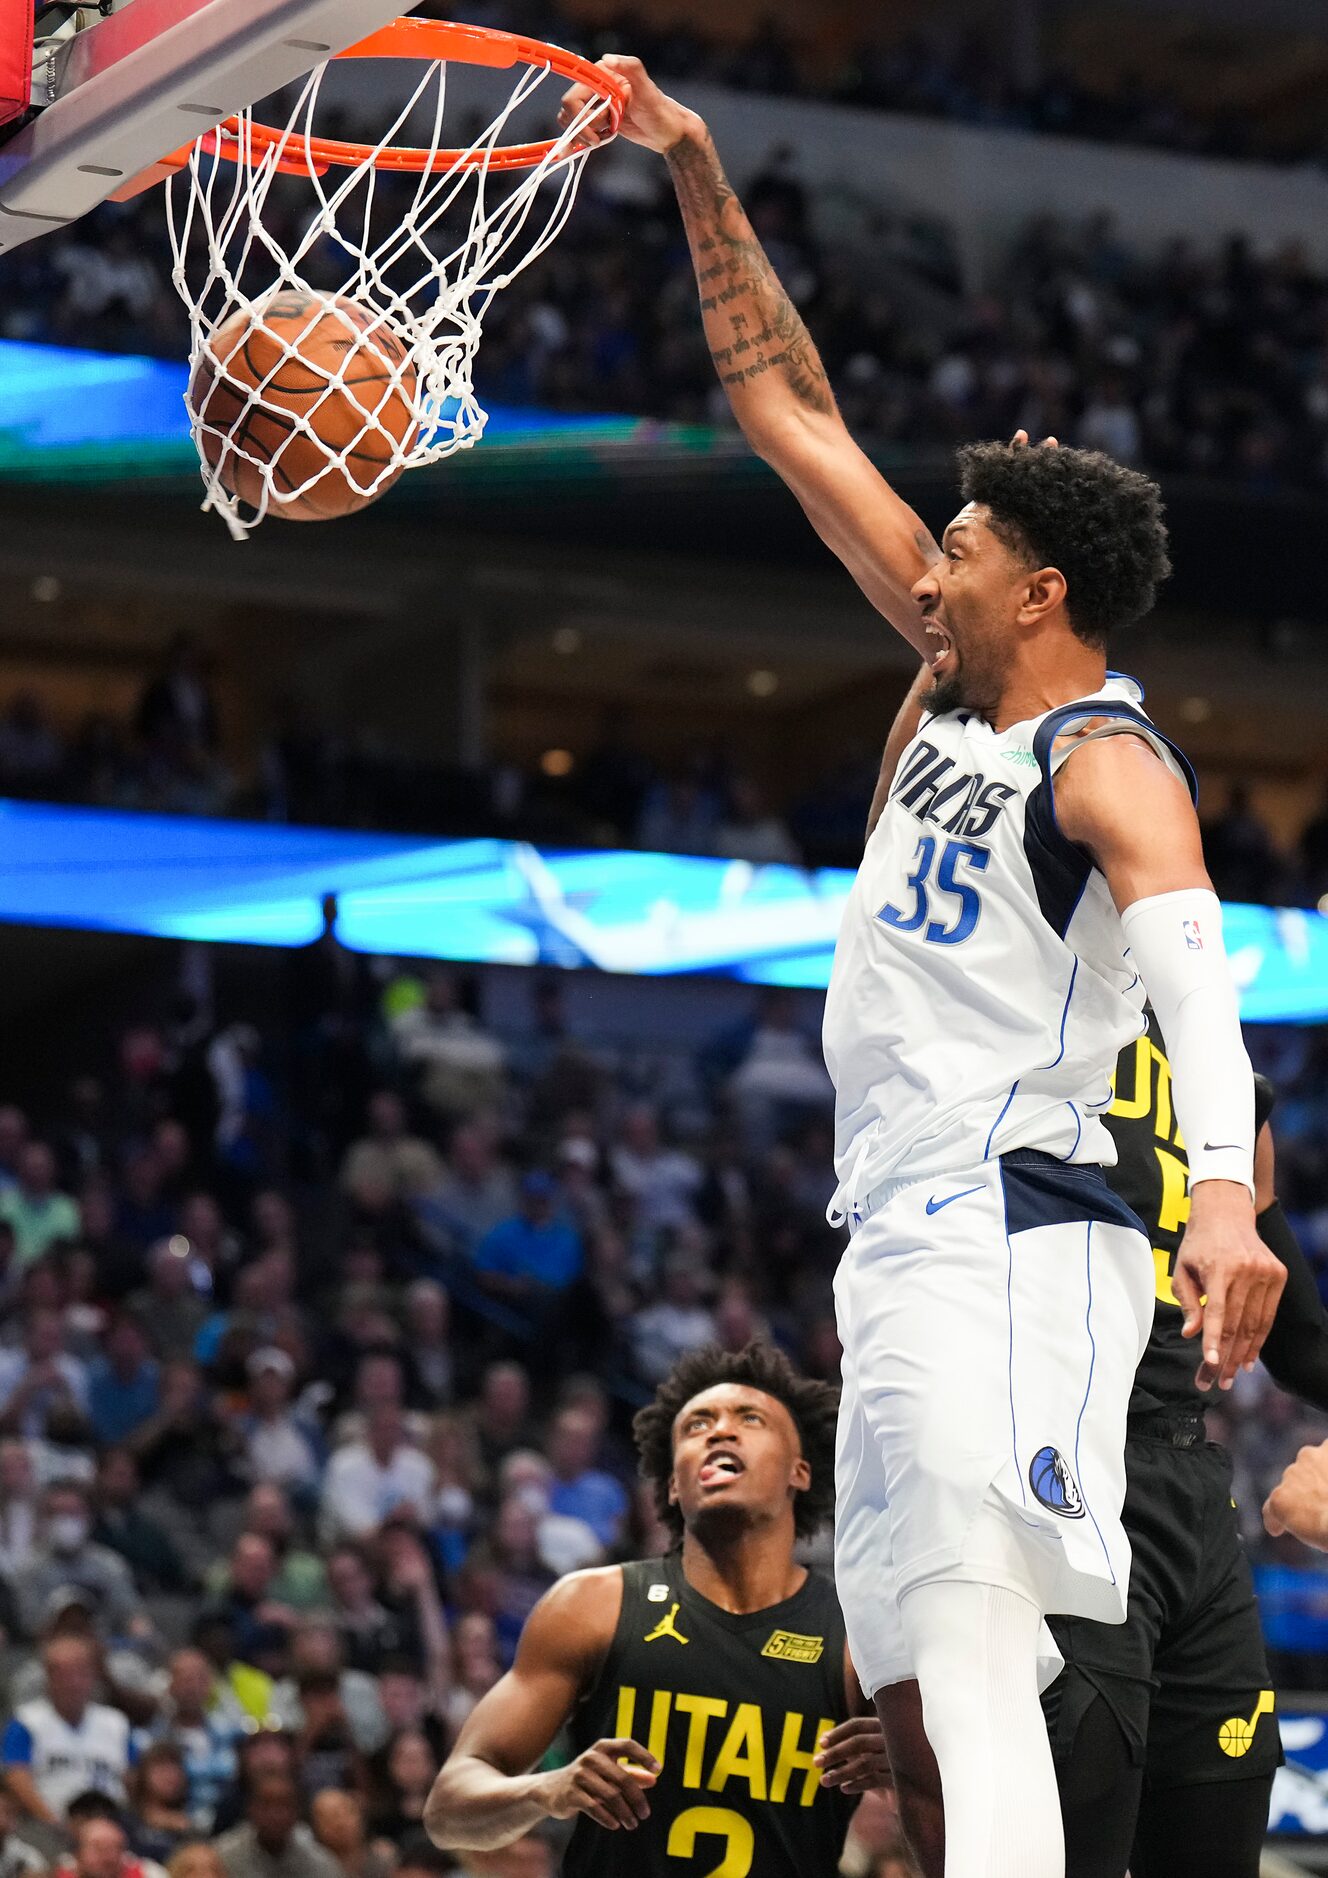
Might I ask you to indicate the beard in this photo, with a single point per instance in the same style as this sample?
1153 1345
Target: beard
947 694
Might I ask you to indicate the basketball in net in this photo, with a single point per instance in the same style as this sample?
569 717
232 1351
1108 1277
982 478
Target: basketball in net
309 399
337 290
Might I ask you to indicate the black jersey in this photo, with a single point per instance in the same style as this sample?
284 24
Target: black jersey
1152 1176
732 1708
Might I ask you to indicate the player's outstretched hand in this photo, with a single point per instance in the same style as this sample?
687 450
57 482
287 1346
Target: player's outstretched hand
852 1756
651 118
1226 1281
608 1782
1298 1504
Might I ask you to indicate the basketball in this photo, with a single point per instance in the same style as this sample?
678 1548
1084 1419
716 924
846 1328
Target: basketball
1235 1737
318 389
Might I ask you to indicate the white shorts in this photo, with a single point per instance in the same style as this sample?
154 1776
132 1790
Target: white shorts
992 1322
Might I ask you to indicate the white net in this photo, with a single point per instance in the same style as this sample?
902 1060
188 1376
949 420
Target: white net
394 271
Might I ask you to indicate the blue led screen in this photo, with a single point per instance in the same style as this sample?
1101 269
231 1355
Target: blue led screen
73 414
503 902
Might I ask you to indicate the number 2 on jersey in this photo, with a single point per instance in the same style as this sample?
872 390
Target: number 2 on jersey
723 1823
946 881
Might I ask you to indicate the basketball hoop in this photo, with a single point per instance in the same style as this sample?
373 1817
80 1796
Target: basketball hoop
424 266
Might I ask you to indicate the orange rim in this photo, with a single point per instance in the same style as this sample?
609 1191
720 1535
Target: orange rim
415 39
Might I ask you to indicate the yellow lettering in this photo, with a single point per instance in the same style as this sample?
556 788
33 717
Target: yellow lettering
742 1756
1131 1108
660 1704
1174 1209
1162 1111
703 1709
1145 1098
792 1757
626 1711
1164 1290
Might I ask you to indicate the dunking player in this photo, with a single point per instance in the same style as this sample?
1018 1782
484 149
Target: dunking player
1037 863
1163 1727
726 1659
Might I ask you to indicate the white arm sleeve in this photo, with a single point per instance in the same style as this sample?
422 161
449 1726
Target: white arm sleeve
1175 942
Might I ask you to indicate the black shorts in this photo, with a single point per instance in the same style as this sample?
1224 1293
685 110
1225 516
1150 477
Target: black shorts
1186 1674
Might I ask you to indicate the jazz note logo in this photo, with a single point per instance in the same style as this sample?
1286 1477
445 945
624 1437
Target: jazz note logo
1236 1737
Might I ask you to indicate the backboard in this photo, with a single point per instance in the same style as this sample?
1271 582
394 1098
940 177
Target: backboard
147 78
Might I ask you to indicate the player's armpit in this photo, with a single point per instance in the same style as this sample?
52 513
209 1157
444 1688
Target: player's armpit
485 1795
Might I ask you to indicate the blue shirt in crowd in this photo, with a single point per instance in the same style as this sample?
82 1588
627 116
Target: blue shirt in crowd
595 1497
116 1408
547 1255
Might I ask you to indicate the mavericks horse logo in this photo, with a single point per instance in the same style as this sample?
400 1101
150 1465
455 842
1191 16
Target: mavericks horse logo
1054 1486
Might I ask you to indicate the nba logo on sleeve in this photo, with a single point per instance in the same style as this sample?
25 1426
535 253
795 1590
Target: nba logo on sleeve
1193 937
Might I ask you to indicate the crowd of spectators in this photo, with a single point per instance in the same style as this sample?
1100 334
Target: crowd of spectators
169 757
165 757
949 69
1210 362
317 1351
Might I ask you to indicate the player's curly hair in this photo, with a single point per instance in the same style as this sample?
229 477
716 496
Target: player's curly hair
813 1405
1101 524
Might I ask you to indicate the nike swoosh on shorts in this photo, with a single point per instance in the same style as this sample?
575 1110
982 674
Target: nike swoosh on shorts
934 1205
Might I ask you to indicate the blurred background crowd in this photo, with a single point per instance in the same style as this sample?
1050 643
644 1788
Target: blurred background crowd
329 1283
324 1305
171 756
1205 358
328 1289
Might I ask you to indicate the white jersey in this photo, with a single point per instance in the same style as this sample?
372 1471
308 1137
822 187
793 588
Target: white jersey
981 989
65 1760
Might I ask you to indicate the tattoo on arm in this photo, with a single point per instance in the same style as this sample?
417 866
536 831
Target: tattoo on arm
752 327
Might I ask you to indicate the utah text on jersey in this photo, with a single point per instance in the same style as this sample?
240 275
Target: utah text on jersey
732 1744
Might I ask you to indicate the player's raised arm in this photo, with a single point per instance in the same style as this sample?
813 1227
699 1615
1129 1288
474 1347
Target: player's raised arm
1117 799
902 733
770 368
485 1795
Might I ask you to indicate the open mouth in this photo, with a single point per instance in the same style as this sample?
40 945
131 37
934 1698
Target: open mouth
944 643
720 1467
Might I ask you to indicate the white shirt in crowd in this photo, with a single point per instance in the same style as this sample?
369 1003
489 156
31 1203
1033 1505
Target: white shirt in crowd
66 1759
359 1492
